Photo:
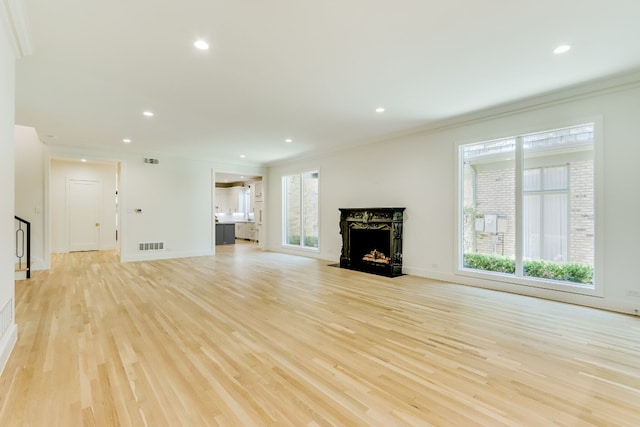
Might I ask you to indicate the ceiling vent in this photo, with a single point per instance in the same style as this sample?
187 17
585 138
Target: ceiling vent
151 161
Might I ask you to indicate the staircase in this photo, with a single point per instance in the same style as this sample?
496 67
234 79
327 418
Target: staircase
23 249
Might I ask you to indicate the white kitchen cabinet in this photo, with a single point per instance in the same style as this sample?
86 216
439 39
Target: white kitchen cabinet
236 199
222 200
258 187
246 199
252 197
246 230
231 200
251 231
258 212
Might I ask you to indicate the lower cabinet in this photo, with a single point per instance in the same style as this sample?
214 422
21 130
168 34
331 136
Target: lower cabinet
251 231
246 230
225 234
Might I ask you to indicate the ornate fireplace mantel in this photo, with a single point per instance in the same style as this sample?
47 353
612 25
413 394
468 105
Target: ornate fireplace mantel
372 240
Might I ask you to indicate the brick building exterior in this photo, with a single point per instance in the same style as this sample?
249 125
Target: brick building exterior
308 184
491 191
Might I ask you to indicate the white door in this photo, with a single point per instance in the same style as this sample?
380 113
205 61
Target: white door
83 214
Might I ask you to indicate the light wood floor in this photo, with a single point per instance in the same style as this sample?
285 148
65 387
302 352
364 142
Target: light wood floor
249 338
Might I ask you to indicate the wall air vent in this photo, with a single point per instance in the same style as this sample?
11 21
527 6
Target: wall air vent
151 246
151 161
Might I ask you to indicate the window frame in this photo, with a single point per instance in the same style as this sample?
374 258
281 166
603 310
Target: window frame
492 279
285 212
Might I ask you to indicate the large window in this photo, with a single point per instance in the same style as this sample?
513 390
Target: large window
300 219
528 206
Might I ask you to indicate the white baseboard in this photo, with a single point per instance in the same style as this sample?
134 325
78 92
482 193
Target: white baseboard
7 343
37 264
163 254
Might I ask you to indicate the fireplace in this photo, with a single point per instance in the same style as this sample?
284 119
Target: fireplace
372 240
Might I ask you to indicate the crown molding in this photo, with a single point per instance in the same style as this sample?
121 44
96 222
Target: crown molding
16 30
607 84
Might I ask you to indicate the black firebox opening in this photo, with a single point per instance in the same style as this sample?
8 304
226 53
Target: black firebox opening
370 249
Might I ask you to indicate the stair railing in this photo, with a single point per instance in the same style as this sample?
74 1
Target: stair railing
23 244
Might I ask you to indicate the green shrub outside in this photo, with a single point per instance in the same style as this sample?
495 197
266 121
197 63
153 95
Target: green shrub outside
294 239
577 273
499 264
309 241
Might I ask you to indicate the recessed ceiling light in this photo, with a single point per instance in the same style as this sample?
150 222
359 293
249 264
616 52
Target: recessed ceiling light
201 44
288 140
563 48
148 113
126 141
379 110
242 156
83 160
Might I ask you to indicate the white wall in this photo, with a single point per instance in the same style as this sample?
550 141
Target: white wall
62 170
419 172
8 331
176 198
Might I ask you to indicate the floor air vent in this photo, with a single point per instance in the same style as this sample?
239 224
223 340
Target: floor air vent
152 246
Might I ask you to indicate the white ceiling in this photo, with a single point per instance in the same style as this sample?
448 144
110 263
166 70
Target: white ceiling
313 71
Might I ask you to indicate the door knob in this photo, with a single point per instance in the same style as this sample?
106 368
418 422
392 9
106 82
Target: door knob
97 224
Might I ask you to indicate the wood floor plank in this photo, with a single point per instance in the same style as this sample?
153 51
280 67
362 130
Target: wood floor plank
252 338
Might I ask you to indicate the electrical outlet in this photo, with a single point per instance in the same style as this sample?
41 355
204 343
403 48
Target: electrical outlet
633 293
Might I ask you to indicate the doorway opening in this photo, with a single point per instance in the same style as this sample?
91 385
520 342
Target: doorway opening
237 208
83 209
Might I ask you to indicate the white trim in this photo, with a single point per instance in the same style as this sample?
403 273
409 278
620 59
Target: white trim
599 205
299 248
303 252
561 296
16 27
459 272
7 344
529 282
46 232
283 191
159 255
519 168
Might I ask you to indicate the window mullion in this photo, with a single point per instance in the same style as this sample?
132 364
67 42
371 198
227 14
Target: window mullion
519 206
543 227
302 210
